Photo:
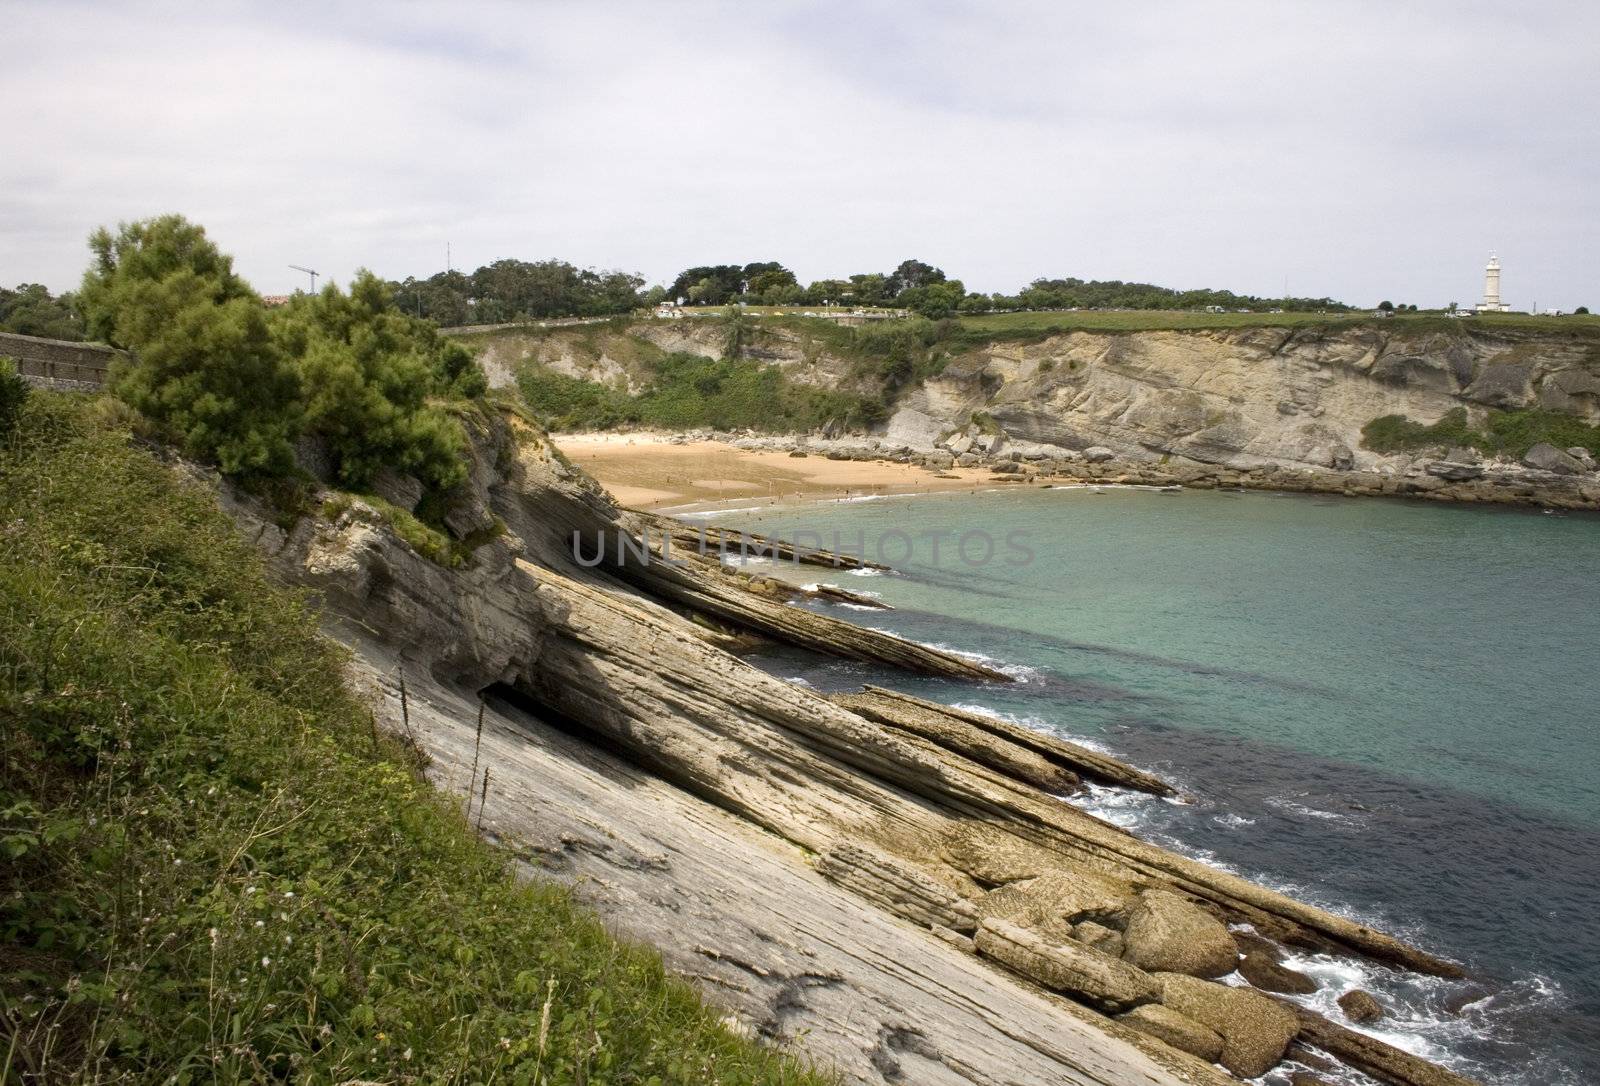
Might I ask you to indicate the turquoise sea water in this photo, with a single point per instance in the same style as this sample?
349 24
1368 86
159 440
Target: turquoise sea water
1387 708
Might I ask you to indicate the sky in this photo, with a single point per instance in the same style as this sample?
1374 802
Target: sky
1362 151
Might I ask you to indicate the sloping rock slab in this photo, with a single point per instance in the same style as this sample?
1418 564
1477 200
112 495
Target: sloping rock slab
891 705
897 887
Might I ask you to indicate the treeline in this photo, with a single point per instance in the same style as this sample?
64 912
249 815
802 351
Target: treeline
31 310
345 377
515 290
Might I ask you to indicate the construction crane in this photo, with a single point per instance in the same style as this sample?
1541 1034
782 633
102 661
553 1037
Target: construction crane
309 272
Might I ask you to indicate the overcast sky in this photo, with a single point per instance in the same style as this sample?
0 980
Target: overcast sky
1363 151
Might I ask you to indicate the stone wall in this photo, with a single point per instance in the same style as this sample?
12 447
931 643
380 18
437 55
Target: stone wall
58 363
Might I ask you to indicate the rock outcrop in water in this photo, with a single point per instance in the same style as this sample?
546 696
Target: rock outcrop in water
882 880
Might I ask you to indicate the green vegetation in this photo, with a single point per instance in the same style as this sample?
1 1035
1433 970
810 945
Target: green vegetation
31 310
13 394
365 372
217 870
219 376
209 375
687 392
1503 433
517 290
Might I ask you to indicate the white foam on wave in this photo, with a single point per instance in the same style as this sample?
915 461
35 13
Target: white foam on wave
864 572
1104 486
1021 673
708 513
1232 821
1037 724
1415 1020
1283 803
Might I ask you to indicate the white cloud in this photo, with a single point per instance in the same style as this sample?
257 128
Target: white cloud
1361 150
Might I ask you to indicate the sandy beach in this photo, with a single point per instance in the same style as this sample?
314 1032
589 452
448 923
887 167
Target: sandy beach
649 471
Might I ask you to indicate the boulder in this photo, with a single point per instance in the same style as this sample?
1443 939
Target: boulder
1168 933
1255 1029
1546 457
1098 454
1054 902
1359 1006
1582 456
1063 965
1106 940
958 443
1267 974
1178 1030
1340 458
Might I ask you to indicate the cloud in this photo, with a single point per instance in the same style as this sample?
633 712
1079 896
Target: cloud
1365 151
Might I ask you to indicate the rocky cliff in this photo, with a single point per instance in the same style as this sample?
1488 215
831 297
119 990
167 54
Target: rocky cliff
1293 397
895 887
1296 397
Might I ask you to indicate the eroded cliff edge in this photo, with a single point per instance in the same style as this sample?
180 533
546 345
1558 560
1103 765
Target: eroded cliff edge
896 888
1276 407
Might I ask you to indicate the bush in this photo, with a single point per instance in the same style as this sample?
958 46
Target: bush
366 371
13 394
1504 433
690 392
217 870
208 373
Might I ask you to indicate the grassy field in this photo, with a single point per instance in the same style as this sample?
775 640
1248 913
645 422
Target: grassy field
1142 320
215 868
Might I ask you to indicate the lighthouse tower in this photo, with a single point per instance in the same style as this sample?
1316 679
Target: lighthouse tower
1491 288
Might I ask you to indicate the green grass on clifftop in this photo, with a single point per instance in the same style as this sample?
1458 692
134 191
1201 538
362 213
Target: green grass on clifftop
212 869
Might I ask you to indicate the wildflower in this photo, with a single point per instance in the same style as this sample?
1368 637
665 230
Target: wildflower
265 961
261 923
505 1044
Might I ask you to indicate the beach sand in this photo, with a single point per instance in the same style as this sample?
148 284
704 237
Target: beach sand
647 471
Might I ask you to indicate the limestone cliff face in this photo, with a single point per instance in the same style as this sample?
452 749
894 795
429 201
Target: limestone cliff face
1296 397
1249 397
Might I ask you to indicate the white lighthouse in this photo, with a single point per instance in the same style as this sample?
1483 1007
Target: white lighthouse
1491 288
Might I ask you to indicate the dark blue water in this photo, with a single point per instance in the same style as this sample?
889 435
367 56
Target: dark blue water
1385 708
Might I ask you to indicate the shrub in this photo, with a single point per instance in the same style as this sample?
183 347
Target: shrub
208 373
1504 433
13 394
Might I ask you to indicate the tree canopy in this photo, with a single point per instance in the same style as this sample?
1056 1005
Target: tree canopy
207 369
30 310
233 383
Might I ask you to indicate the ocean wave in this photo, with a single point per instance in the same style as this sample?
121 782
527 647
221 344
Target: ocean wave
1420 1016
1020 673
1283 803
1104 486
707 513
865 572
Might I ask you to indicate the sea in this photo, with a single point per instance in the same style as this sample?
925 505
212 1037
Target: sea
1385 708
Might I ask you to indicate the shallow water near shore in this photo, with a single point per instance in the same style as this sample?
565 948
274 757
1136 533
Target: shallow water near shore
1385 708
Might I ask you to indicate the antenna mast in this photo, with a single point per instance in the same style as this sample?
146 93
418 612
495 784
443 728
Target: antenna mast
309 272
